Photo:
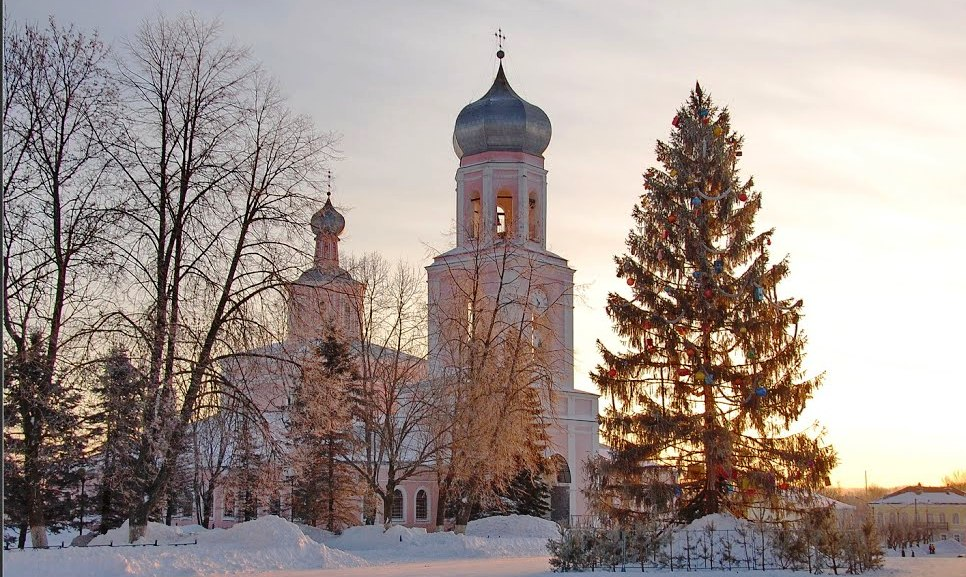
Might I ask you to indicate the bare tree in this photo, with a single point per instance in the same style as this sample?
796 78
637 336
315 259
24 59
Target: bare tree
395 406
57 99
494 350
217 164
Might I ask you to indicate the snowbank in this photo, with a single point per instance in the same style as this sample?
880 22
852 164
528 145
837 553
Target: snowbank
266 544
513 526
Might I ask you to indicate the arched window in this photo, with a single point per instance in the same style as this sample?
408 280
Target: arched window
422 506
563 469
397 505
955 518
501 221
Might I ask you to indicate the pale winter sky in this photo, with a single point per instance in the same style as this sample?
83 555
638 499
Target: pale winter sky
855 133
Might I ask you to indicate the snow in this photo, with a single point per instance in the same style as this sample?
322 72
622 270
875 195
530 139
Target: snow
513 546
922 498
513 526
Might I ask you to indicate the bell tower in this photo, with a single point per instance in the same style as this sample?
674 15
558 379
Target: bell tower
501 260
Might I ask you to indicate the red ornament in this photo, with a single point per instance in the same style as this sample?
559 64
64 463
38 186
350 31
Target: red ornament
683 372
650 343
630 281
676 121
743 197
705 120
648 326
681 330
692 352
738 381
708 293
768 241
612 372
672 218
667 233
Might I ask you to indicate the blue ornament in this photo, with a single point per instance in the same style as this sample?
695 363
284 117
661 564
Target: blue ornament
761 391
677 491
702 112
719 266
696 274
708 378
696 202
759 294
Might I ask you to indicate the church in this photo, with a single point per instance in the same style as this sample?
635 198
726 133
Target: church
499 273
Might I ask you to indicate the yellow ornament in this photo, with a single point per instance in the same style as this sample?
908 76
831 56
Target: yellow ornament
718 131
744 330
699 376
674 173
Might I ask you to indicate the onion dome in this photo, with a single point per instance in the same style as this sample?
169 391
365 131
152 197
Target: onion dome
328 220
501 121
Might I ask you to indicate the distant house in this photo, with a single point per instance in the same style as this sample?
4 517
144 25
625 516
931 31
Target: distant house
941 511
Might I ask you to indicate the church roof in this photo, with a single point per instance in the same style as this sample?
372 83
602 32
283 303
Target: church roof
924 495
501 121
325 276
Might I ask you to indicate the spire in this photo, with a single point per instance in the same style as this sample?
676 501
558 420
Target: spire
327 224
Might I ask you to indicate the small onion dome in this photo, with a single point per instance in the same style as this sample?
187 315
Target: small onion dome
501 120
328 220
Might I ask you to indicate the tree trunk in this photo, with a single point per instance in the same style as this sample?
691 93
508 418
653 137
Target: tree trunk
35 514
22 537
138 523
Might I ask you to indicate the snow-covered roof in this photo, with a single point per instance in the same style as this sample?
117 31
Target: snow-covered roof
924 495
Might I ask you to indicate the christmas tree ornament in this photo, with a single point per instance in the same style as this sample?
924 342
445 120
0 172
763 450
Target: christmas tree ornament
743 197
768 241
681 330
674 173
696 274
650 342
759 294
719 266
667 233
743 330
672 218
612 372
717 131
761 391
676 121
703 112
737 381
691 352
752 354
705 120
696 202
648 326
683 372
708 379
699 376
708 293
630 281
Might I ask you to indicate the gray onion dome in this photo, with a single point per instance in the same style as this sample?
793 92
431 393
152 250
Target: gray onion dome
502 121
328 220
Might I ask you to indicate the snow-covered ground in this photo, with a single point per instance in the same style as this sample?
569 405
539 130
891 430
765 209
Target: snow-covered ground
272 547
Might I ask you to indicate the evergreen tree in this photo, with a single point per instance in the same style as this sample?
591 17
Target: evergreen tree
44 442
321 435
117 395
529 494
711 380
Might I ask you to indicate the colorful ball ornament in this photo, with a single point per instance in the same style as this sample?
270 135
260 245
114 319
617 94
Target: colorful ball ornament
612 372
696 201
703 112
718 131
630 281
743 197
676 121
759 294
672 218
699 376
752 354
705 121
761 391
719 266
691 352
667 233
648 326
683 372
708 293
650 342
708 379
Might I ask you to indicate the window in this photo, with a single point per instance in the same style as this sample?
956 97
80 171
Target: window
942 517
532 222
501 221
397 505
475 228
422 506
228 507
955 518
563 469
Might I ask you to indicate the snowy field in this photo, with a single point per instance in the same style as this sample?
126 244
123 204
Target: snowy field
272 547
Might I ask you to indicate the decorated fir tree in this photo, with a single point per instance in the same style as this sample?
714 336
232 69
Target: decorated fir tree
701 402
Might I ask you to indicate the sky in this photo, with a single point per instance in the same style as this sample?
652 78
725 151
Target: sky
854 132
